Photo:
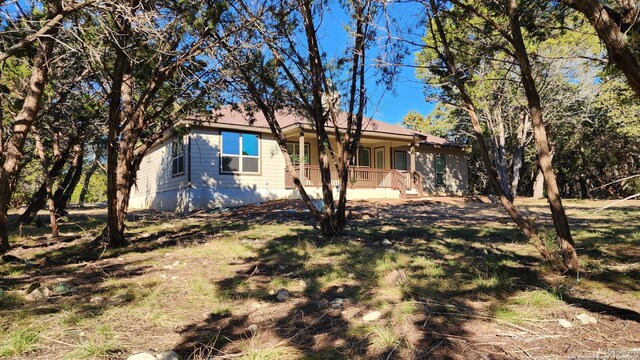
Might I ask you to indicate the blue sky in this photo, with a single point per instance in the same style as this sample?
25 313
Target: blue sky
408 91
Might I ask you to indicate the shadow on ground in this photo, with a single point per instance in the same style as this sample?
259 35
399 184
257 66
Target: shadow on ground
445 278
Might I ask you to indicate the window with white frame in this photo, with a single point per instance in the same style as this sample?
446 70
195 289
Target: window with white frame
362 158
400 160
440 168
240 152
177 155
294 153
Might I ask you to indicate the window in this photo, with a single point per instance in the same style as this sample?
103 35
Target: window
400 160
294 152
177 155
379 158
363 158
240 152
439 159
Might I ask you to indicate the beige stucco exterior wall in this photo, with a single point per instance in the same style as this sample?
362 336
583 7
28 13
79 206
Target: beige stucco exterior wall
456 171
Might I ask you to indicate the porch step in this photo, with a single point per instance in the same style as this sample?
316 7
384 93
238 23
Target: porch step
412 195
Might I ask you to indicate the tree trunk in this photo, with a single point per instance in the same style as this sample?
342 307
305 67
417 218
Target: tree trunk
584 193
120 98
347 139
87 179
129 117
524 225
23 122
49 186
609 32
63 194
124 170
495 125
62 186
567 248
518 155
538 185
326 222
39 199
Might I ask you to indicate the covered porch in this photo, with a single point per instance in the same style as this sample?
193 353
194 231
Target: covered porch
382 162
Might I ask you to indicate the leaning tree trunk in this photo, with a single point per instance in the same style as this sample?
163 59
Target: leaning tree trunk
39 199
563 231
524 225
64 193
22 125
87 180
63 201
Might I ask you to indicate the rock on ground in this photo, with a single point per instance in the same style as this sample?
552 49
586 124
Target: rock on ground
147 355
565 323
586 319
282 295
41 293
372 316
337 303
323 304
168 355
150 355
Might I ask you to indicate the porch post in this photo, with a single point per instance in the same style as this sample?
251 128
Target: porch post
301 156
412 151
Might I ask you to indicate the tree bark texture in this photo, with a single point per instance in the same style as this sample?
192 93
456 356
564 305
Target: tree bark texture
610 33
53 221
448 58
39 199
119 99
518 155
561 224
65 190
23 122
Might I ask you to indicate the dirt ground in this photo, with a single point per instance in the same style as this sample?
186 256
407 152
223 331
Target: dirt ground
444 278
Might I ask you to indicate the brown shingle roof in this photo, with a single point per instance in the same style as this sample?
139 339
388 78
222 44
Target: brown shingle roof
286 119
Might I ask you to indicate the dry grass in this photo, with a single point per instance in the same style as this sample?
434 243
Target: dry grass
458 276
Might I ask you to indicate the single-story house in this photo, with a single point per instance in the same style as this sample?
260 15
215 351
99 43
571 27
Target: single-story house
226 160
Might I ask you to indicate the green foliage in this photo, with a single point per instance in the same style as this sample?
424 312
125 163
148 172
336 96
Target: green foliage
621 106
592 116
31 179
97 190
438 122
